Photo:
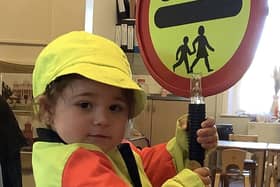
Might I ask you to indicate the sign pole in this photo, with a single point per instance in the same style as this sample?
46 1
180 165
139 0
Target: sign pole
195 118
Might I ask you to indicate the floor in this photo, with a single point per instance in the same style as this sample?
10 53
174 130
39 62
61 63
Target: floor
239 183
27 175
28 180
236 184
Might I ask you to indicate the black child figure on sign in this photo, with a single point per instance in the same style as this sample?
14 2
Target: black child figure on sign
183 50
202 47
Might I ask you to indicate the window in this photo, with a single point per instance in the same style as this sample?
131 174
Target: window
254 93
89 16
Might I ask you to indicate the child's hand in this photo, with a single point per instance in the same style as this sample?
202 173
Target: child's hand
204 174
207 135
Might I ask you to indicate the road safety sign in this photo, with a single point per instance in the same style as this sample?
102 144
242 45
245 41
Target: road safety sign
216 38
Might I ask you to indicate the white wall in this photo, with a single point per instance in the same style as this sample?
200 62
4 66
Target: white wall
239 124
267 132
104 18
27 26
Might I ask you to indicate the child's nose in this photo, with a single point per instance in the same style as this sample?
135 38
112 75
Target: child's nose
101 118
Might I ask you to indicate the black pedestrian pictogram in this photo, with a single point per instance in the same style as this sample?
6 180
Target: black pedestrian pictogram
201 51
183 50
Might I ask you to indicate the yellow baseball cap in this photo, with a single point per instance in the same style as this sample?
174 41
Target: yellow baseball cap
88 55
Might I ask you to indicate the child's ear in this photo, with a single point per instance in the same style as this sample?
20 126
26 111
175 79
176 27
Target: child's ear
45 110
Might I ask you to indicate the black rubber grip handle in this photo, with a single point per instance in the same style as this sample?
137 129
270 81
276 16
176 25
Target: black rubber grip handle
196 117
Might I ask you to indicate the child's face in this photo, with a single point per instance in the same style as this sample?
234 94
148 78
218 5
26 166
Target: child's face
91 112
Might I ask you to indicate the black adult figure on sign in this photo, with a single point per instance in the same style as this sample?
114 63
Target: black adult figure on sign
202 46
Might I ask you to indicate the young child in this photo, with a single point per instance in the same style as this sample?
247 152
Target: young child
85 93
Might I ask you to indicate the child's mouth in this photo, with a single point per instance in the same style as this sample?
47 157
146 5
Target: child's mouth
99 136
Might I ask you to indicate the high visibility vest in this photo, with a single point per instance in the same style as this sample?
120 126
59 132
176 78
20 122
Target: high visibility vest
56 164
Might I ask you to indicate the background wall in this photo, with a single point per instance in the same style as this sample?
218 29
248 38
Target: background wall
104 18
27 26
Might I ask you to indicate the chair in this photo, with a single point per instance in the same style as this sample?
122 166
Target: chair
137 138
271 170
271 176
232 158
140 141
250 161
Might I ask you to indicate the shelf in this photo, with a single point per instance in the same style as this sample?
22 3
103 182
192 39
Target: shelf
7 67
23 112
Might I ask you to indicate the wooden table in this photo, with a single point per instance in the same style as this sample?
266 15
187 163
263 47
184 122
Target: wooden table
273 150
259 148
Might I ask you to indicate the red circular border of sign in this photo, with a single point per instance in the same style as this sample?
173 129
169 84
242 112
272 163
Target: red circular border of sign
220 80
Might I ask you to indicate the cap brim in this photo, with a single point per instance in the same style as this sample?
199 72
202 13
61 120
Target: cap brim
110 76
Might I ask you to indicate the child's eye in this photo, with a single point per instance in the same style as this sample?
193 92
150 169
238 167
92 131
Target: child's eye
85 105
116 108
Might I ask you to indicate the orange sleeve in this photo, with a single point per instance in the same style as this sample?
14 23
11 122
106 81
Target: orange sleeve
90 168
158 163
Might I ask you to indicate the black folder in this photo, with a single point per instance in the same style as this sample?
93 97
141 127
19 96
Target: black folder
122 10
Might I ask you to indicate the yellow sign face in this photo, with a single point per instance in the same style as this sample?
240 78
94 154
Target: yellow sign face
192 37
